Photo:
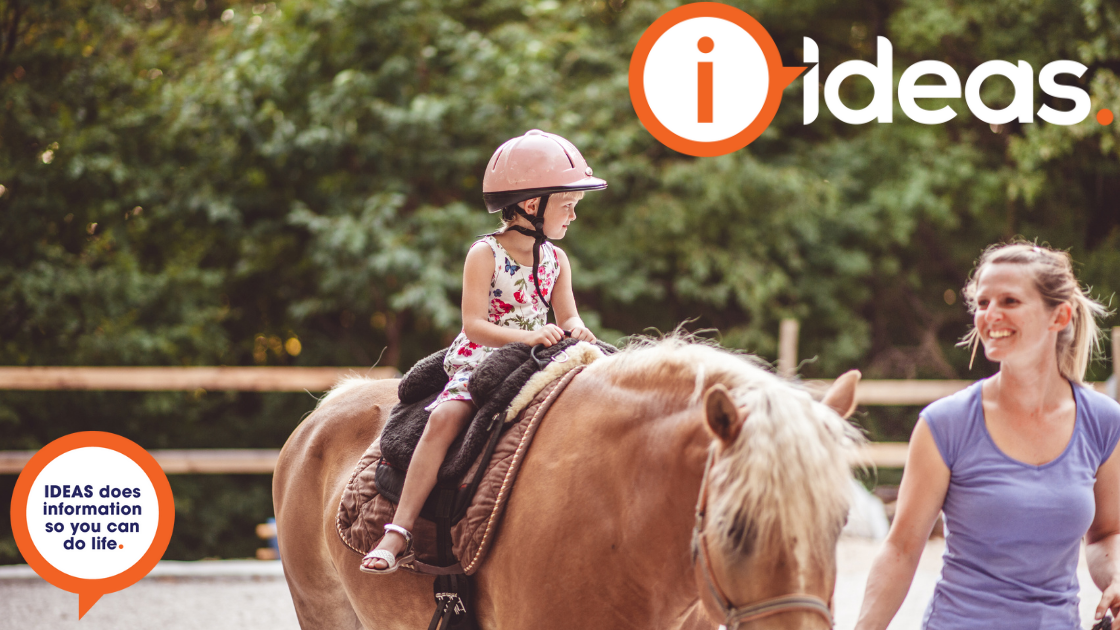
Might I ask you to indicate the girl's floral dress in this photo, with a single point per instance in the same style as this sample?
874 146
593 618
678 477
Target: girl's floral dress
514 303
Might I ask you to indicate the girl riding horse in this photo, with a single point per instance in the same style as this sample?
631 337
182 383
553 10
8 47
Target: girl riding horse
511 279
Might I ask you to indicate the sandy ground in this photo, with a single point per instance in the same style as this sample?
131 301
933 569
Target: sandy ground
252 595
242 594
854 561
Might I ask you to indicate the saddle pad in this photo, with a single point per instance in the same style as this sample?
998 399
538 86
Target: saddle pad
494 385
363 512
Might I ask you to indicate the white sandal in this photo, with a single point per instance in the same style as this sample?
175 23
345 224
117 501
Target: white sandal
394 562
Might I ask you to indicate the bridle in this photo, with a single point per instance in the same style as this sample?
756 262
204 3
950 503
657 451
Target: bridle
734 616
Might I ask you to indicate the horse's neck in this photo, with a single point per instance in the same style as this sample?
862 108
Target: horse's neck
665 469
613 475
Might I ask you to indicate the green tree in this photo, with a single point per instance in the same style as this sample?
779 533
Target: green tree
195 183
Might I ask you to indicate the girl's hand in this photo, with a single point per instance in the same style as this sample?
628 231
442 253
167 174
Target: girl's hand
1110 600
547 335
583 334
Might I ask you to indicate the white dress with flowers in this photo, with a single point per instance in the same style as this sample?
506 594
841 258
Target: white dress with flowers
514 303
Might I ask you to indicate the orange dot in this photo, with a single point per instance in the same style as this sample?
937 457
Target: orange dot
120 546
1104 117
705 44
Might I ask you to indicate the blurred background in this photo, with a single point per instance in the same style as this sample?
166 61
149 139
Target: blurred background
296 183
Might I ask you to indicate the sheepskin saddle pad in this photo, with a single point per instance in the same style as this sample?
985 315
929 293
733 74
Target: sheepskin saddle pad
483 485
496 382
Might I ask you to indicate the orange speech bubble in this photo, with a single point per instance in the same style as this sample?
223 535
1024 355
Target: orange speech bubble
776 78
83 457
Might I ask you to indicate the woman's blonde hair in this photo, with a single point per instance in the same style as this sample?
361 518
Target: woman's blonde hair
509 216
1052 271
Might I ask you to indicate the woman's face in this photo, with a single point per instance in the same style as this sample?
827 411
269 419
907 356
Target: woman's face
1011 317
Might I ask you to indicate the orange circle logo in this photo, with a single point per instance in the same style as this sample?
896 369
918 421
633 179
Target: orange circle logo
92 513
706 79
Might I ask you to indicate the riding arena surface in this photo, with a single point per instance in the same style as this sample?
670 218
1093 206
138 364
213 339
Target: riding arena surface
252 595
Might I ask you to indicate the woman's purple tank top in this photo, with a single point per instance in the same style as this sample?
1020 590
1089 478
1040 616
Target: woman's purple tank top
1012 530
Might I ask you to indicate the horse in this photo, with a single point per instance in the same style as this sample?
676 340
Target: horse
673 484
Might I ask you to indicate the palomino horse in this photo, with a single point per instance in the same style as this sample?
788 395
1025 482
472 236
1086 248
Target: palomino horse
598 532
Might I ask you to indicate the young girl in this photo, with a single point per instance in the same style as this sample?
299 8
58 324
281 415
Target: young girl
510 280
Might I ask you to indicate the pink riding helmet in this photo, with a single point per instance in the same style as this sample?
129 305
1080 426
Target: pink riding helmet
533 165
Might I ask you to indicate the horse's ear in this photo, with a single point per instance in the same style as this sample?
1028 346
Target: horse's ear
723 416
841 396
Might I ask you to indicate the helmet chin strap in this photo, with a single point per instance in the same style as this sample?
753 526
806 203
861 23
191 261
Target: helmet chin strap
538 238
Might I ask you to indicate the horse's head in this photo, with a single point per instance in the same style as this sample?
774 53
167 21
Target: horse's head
774 500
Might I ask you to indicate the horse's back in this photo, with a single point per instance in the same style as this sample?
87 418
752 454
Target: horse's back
313 469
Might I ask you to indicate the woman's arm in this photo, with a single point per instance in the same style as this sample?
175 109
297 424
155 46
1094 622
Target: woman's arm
564 301
477 274
1102 541
920 497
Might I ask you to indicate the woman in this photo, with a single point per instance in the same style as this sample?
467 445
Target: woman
1023 464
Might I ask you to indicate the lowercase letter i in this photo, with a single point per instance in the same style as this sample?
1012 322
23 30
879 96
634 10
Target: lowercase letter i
704 82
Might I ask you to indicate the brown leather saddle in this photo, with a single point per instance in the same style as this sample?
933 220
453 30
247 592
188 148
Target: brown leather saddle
459 520
365 508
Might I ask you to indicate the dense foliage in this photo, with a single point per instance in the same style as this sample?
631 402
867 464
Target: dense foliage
199 183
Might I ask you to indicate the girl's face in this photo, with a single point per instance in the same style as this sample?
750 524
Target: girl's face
560 213
1011 317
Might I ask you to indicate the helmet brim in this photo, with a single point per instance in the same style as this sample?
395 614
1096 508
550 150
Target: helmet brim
495 201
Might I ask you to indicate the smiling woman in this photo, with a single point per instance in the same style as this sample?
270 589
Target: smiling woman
1052 279
1023 464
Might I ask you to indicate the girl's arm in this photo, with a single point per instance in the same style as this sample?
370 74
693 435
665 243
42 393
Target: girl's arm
920 497
1102 548
564 302
477 274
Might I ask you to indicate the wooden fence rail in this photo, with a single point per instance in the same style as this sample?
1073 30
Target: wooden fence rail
295 379
180 462
246 379
263 461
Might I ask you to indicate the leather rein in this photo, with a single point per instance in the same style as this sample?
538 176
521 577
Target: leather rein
734 616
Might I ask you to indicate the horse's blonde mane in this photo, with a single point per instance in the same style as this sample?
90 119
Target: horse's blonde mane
786 478
344 386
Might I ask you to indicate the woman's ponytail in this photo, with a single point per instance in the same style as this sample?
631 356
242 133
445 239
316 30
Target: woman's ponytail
1082 338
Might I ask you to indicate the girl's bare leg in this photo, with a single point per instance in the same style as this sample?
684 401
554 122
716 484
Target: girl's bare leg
444 425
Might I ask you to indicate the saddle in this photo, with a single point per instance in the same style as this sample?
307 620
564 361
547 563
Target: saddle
513 388
494 385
